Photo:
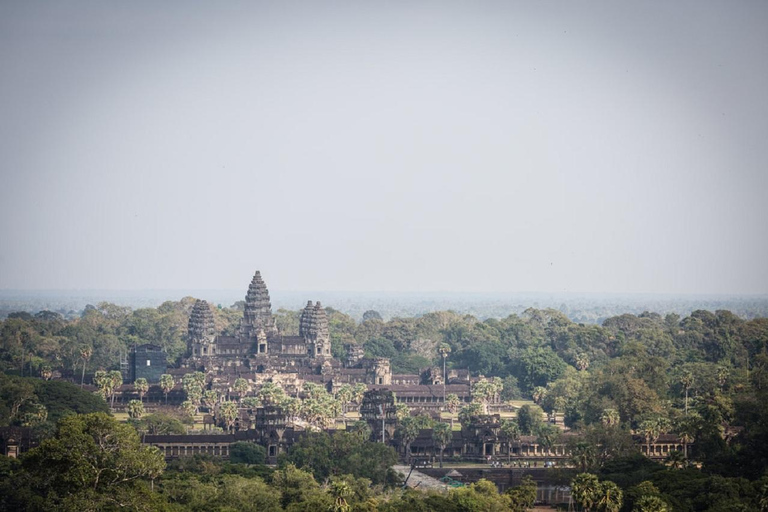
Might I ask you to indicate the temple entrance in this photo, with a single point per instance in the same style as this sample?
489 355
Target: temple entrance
489 448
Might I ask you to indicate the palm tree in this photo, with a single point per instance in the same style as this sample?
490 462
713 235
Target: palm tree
582 361
166 384
452 403
189 407
408 431
510 429
117 381
85 353
722 376
340 490
585 489
686 379
344 395
650 503
135 409
686 431
610 417
210 398
609 497
675 460
141 386
228 411
442 433
241 387
583 456
538 394
103 382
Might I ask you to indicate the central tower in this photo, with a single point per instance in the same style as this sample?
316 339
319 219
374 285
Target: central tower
257 317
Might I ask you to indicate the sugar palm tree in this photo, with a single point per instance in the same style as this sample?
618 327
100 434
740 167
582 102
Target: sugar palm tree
141 386
675 460
686 379
442 433
117 381
510 429
340 491
85 353
650 503
407 431
452 403
609 497
166 384
135 409
610 417
103 382
241 387
228 411
189 407
585 489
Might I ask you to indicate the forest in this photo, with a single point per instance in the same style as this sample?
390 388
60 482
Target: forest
703 377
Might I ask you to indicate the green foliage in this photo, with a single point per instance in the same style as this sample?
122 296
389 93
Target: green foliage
523 496
160 423
93 463
530 419
247 453
341 453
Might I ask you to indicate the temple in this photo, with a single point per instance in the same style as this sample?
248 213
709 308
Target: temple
260 352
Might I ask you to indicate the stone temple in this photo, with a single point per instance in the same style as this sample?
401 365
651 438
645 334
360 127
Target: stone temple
261 349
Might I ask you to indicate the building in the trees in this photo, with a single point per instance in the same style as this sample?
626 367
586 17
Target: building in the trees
147 361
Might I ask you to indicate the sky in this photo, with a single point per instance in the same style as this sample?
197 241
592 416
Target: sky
596 147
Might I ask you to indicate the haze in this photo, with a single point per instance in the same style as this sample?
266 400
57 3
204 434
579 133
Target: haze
385 146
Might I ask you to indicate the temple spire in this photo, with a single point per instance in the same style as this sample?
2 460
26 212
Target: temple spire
258 309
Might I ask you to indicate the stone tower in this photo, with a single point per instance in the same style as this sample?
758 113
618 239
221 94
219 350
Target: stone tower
258 310
313 327
201 330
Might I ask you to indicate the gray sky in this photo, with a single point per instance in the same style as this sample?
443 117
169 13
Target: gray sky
401 146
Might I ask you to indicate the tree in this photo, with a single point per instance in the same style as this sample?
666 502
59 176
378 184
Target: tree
610 418
468 412
675 460
452 403
160 423
523 496
609 497
210 398
486 391
512 431
583 456
407 431
85 353
529 418
228 411
93 460
141 386
650 503
135 409
117 380
340 491
442 434
166 384
371 315
247 453
241 387
344 396
103 382
686 380
189 407
194 386
585 489
342 453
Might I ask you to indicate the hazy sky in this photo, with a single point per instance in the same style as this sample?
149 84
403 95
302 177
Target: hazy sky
388 145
